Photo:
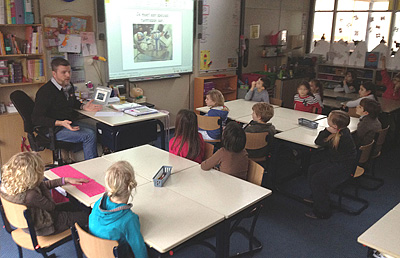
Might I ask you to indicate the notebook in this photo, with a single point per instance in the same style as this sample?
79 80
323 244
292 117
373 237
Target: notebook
140 111
125 106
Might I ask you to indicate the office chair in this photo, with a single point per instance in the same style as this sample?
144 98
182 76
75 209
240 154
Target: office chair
92 246
38 140
19 216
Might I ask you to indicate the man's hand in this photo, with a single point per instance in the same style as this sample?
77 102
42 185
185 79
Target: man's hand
67 124
92 107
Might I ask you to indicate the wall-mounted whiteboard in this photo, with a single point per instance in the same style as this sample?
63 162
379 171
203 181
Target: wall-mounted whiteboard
220 35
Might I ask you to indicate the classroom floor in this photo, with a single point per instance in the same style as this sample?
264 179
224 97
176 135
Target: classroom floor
285 231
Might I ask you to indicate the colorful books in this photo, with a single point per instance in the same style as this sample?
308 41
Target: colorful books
140 111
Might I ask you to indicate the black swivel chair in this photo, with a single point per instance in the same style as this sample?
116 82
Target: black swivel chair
38 140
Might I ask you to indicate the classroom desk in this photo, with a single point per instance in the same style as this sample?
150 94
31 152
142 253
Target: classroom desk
281 124
95 169
221 192
384 235
146 160
330 93
306 136
295 114
127 119
167 219
237 108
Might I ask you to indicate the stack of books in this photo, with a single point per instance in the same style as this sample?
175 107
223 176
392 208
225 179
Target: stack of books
134 109
16 12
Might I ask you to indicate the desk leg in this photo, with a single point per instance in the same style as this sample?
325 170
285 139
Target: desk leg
162 130
222 239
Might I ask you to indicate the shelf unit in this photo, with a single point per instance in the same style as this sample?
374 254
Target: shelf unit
11 124
271 51
328 74
226 84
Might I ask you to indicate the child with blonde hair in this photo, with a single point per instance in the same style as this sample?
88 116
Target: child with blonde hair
112 218
22 183
338 166
215 100
187 142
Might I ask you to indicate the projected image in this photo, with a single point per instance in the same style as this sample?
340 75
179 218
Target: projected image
152 42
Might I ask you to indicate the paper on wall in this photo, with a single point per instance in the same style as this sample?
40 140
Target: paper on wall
357 58
69 43
383 51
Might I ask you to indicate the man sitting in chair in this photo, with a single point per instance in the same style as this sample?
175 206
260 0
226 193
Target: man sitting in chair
54 106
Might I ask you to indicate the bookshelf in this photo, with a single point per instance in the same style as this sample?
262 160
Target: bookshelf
11 124
226 84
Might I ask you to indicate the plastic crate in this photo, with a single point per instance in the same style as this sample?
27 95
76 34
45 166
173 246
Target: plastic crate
161 176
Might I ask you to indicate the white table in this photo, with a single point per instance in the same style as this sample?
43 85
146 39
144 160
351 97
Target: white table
127 119
237 108
221 192
295 114
95 169
281 124
384 235
330 93
167 219
146 160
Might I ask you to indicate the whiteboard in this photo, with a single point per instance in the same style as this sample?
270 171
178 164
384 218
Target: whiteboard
220 35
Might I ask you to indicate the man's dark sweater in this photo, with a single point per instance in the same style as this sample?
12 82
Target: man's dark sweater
51 104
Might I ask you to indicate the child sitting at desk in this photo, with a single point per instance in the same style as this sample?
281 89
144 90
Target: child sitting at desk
367 90
340 163
215 100
232 157
369 125
305 101
349 84
258 90
112 218
392 86
317 89
187 142
262 113
22 183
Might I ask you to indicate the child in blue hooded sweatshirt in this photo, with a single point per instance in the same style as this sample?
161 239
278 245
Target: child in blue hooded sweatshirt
111 217
215 100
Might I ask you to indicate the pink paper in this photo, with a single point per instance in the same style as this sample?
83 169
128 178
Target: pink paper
91 188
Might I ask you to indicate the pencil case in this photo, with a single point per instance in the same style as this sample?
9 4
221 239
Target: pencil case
308 123
161 176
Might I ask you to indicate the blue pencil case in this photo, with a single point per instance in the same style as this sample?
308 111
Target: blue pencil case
161 176
308 123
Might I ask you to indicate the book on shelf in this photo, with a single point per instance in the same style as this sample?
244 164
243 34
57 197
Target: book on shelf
8 11
3 17
28 12
125 106
140 111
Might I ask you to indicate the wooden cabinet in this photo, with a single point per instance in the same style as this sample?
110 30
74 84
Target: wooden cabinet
226 84
11 125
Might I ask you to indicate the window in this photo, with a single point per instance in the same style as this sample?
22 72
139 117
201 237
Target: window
357 20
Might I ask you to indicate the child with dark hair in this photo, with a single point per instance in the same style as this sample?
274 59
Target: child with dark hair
369 125
349 84
367 90
232 157
258 91
262 113
187 142
317 89
305 101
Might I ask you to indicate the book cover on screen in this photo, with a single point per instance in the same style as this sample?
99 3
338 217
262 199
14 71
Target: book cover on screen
140 111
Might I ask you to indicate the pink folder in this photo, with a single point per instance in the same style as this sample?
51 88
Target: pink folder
91 188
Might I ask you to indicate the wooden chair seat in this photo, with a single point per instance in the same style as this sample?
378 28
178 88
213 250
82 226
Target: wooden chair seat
275 101
92 246
256 141
208 150
210 123
24 239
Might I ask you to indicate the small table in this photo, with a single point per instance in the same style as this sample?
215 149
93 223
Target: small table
237 108
146 160
330 93
125 119
295 114
384 235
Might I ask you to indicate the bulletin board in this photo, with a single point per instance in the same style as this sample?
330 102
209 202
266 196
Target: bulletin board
220 35
64 36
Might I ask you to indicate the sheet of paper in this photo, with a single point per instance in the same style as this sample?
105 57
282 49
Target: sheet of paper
69 43
91 188
108 114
